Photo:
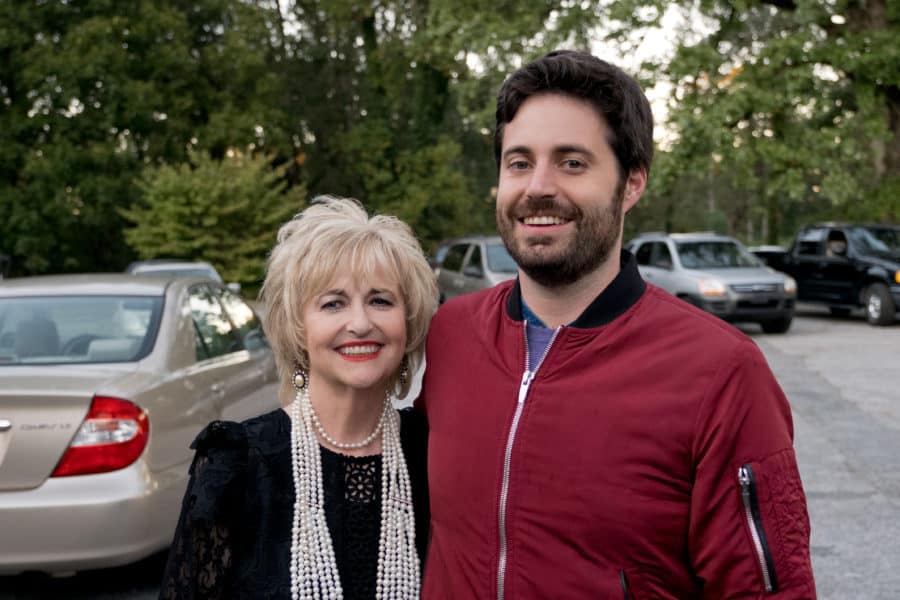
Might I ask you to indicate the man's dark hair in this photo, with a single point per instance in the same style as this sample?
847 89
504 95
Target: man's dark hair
616 96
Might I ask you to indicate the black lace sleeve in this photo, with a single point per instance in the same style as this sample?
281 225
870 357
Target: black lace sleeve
414 439
201 556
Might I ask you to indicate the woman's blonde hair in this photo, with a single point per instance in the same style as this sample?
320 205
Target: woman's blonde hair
335 236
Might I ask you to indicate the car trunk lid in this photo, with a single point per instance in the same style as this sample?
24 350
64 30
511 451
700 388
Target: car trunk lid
41 410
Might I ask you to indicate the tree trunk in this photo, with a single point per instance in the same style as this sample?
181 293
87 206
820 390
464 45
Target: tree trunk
771 220
866 16
862 16
892 149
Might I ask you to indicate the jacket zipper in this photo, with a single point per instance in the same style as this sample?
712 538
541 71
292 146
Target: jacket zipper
751 511
624 581
527 378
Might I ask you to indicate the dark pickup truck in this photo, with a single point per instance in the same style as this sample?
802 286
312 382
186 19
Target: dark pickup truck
845 267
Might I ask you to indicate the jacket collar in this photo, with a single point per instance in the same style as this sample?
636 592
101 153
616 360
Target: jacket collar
620 295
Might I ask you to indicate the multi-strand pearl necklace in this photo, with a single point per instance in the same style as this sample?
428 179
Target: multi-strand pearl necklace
314 573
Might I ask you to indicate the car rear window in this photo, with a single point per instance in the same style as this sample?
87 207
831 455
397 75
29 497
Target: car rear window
77 329
715 255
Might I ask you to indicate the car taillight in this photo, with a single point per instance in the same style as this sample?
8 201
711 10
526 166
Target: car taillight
112 436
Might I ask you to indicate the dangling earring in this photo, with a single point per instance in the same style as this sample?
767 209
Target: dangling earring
300 379
404 371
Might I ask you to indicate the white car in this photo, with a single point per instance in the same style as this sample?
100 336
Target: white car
179 268
473 263
104 382
719 275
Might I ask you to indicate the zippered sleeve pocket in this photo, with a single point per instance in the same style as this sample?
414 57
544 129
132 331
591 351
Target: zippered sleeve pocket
776 520
750 502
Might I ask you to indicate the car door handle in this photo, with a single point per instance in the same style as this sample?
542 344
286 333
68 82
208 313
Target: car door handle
5 425
218 389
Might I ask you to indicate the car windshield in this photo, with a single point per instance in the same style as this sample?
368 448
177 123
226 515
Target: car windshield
77 329
719 254
499 260
881 239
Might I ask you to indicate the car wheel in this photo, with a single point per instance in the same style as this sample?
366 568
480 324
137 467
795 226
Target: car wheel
879 305
838 311
777 325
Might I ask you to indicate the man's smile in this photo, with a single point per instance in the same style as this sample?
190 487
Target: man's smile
542 220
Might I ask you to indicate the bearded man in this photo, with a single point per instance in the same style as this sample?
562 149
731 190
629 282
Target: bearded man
591 435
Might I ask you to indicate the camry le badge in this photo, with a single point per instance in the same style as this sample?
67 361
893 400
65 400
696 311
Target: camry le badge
5 425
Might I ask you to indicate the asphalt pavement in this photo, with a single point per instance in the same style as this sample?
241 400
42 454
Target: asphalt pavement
840 376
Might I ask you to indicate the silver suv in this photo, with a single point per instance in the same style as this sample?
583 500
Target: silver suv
473 263
719 275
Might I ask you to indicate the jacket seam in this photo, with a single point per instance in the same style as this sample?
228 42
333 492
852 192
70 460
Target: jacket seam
719 378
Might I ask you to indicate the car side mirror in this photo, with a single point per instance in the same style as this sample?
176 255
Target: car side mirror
234 287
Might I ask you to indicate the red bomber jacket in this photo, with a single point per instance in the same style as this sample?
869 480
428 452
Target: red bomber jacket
648 456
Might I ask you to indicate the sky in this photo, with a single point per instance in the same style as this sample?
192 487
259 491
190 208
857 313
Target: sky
655 46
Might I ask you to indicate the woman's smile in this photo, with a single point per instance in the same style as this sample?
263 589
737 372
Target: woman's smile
359 351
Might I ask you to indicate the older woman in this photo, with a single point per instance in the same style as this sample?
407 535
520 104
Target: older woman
317 500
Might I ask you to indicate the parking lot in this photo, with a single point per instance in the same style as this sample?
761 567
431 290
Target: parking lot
840 377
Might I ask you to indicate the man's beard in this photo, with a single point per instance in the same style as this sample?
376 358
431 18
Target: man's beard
596 234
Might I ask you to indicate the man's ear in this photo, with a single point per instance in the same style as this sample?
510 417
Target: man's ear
634 188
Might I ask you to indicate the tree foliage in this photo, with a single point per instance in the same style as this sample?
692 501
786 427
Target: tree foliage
784 111
91 93
387 101
226 212
399 112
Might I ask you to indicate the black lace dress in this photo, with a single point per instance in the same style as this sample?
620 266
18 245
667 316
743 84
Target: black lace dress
234 534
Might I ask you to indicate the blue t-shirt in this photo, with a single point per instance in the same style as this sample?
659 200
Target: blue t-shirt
538 335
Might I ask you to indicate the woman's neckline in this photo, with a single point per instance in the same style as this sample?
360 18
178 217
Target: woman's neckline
285 419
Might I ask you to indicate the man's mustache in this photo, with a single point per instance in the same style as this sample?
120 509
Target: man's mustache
545 206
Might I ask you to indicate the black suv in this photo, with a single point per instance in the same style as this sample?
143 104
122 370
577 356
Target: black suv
847 266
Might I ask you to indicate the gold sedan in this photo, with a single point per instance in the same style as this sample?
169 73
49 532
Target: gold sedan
104 382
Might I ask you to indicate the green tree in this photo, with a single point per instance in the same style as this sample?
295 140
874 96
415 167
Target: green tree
224 211
785 110
388 101
392 100
91 93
